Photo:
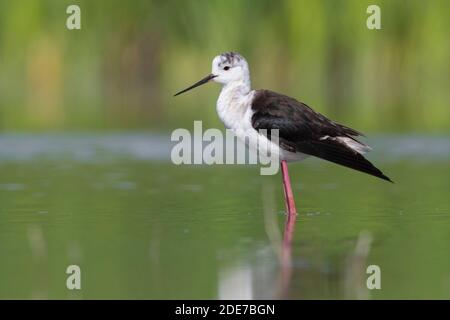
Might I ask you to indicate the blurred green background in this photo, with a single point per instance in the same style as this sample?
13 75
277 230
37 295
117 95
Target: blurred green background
121 69
90 182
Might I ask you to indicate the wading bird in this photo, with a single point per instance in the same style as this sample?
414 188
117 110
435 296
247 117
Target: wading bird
302 131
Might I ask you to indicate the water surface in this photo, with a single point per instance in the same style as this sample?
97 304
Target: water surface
142 228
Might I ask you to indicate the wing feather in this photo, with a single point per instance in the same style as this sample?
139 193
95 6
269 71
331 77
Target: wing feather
301 129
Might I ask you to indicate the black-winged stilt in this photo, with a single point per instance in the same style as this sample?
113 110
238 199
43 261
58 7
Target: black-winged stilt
302 131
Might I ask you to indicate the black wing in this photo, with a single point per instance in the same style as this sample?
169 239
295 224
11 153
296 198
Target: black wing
301 129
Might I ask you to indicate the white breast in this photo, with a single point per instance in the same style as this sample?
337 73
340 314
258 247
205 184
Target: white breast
234 109
233 105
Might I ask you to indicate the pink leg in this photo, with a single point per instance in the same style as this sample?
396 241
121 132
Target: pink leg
288 195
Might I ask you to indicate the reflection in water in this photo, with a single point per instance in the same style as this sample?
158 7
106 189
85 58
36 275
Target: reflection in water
252 279
286 257
267 277
99 203
155 255
236 283
355 276
283 246
38 247
271 276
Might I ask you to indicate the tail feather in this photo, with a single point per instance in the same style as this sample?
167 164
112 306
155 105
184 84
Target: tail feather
334 151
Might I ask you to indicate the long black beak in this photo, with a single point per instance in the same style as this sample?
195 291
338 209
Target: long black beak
203 81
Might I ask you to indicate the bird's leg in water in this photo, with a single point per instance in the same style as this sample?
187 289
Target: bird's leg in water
288 195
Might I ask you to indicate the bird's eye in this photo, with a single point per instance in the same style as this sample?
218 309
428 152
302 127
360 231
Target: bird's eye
226 68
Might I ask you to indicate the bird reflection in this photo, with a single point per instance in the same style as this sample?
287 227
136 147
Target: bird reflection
286 257
268 276
282 244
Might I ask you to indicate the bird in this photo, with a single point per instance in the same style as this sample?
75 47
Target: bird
302 131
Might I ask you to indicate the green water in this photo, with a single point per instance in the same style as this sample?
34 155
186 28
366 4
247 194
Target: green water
142 228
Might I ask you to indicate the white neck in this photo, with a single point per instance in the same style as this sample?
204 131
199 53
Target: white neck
233 102
235 89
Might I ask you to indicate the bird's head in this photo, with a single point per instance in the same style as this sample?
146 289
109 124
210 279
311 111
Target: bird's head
227 68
